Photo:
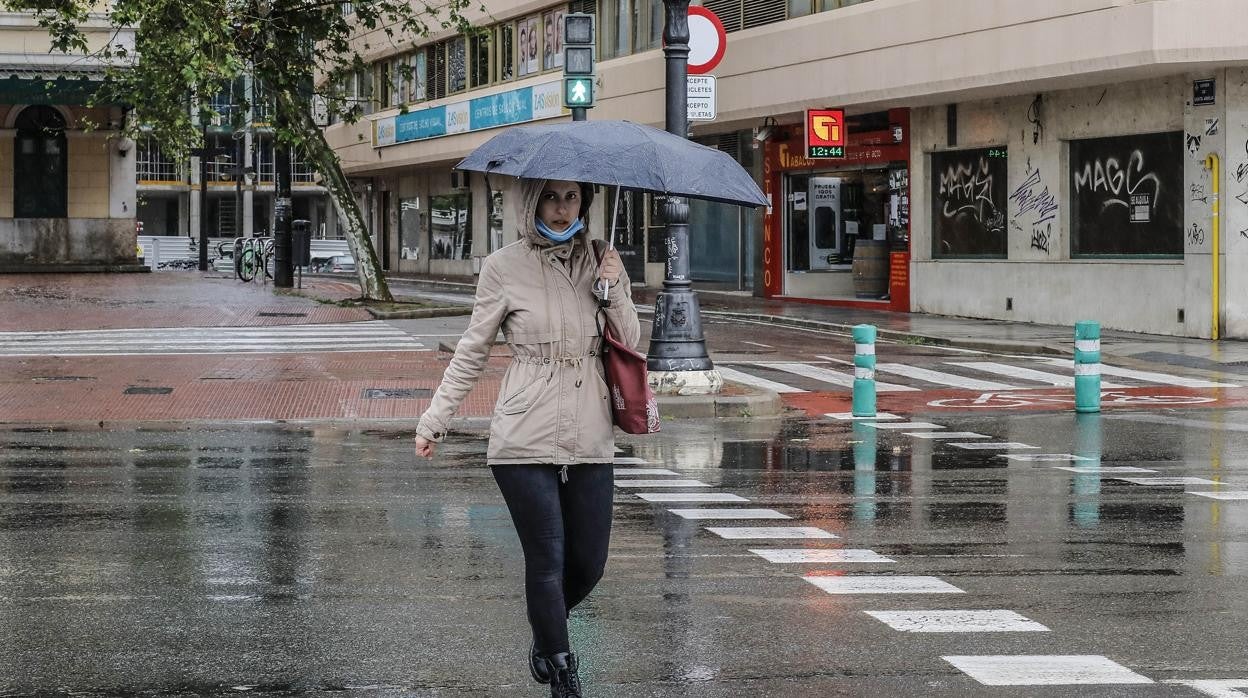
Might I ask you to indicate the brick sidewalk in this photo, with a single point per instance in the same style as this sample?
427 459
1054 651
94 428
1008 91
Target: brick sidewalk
222 386
35 302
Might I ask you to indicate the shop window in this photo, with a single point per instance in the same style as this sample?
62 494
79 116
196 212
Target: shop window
1127 196
450 226
409 228
456 66
40 173
496 220
552 40
969 203
529 38
507 51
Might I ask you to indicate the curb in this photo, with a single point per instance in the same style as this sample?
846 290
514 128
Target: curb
757 404
418 313
899 336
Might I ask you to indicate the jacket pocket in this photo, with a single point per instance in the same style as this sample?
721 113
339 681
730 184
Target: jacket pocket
520 401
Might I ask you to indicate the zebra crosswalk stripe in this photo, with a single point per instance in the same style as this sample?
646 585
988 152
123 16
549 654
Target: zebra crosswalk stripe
755 381
361 336
1055 379
941 378
1148 376
829 376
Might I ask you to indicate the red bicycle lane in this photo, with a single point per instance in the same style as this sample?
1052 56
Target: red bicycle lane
1035 400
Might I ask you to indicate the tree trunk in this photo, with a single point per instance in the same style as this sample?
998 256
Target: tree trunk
372 283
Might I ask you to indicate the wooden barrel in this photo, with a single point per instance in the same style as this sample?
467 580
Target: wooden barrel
870 268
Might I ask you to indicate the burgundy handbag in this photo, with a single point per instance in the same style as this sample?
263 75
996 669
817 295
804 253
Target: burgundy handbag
633 407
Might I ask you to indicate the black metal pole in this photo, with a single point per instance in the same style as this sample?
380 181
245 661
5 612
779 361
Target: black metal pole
580 113
677 344
239 152
283 270
203 205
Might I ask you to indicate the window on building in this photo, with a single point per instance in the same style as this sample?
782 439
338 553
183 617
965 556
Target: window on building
506 51
385 88
151 163
1127 196
457 65
450 226
969 203
418 82
40 172
481 47
649 23
529 44
615 28
435 71
552 39
363 83
409 228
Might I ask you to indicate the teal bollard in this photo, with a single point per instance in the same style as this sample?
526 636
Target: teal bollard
1087 366
864 371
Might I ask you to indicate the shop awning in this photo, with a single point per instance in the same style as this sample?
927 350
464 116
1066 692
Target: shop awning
48 85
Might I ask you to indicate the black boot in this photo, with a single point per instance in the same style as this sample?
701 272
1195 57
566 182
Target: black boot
564 682
537 666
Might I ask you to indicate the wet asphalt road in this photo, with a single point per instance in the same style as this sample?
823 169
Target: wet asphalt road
287 559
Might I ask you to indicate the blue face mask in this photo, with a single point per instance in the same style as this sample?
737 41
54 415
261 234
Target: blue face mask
576 227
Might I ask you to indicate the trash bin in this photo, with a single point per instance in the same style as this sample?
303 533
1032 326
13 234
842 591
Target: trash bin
301 242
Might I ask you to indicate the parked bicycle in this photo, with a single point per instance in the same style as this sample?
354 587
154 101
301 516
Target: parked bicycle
251 256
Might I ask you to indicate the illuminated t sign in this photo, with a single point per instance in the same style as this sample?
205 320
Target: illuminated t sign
825 133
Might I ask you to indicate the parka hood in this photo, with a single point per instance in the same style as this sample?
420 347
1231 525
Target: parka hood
526 212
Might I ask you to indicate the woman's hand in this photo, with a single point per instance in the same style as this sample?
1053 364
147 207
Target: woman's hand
611 267
424 447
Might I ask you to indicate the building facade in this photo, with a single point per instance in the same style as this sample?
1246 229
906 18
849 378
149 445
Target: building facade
1042 162
67 192
239 190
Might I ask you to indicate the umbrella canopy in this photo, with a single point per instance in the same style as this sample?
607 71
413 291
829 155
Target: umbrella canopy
618 154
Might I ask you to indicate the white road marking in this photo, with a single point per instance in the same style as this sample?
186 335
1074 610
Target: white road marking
1167 481
1044 457
757 344
825 375
645 471
946 435
1229 495
818 555
1216 688
904 425
660 483
1061 381
957 621
766 532
742 377
849 416
942 378
1105 469
993 445
1044 670
672 497
729 514
872 584
1147 376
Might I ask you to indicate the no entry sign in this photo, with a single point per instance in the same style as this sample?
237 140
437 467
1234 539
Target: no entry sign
707 40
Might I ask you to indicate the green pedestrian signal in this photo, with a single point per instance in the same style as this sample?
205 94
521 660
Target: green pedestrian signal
578 63
578 91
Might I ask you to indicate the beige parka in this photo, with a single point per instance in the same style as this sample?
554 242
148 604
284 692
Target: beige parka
552 406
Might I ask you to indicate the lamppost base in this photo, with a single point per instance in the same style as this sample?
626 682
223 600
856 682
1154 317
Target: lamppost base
686 382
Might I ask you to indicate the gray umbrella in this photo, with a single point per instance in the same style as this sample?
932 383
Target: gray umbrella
618 154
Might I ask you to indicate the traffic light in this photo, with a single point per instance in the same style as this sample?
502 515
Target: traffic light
578 60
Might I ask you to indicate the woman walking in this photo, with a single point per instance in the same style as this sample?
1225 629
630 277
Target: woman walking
551 439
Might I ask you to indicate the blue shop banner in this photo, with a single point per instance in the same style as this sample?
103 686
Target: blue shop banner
415 125
501 109
504 108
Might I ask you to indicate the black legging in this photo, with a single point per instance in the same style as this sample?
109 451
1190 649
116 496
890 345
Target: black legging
564 530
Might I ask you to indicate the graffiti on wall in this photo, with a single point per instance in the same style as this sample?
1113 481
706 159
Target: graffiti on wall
1036 206
1127 194
969 201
